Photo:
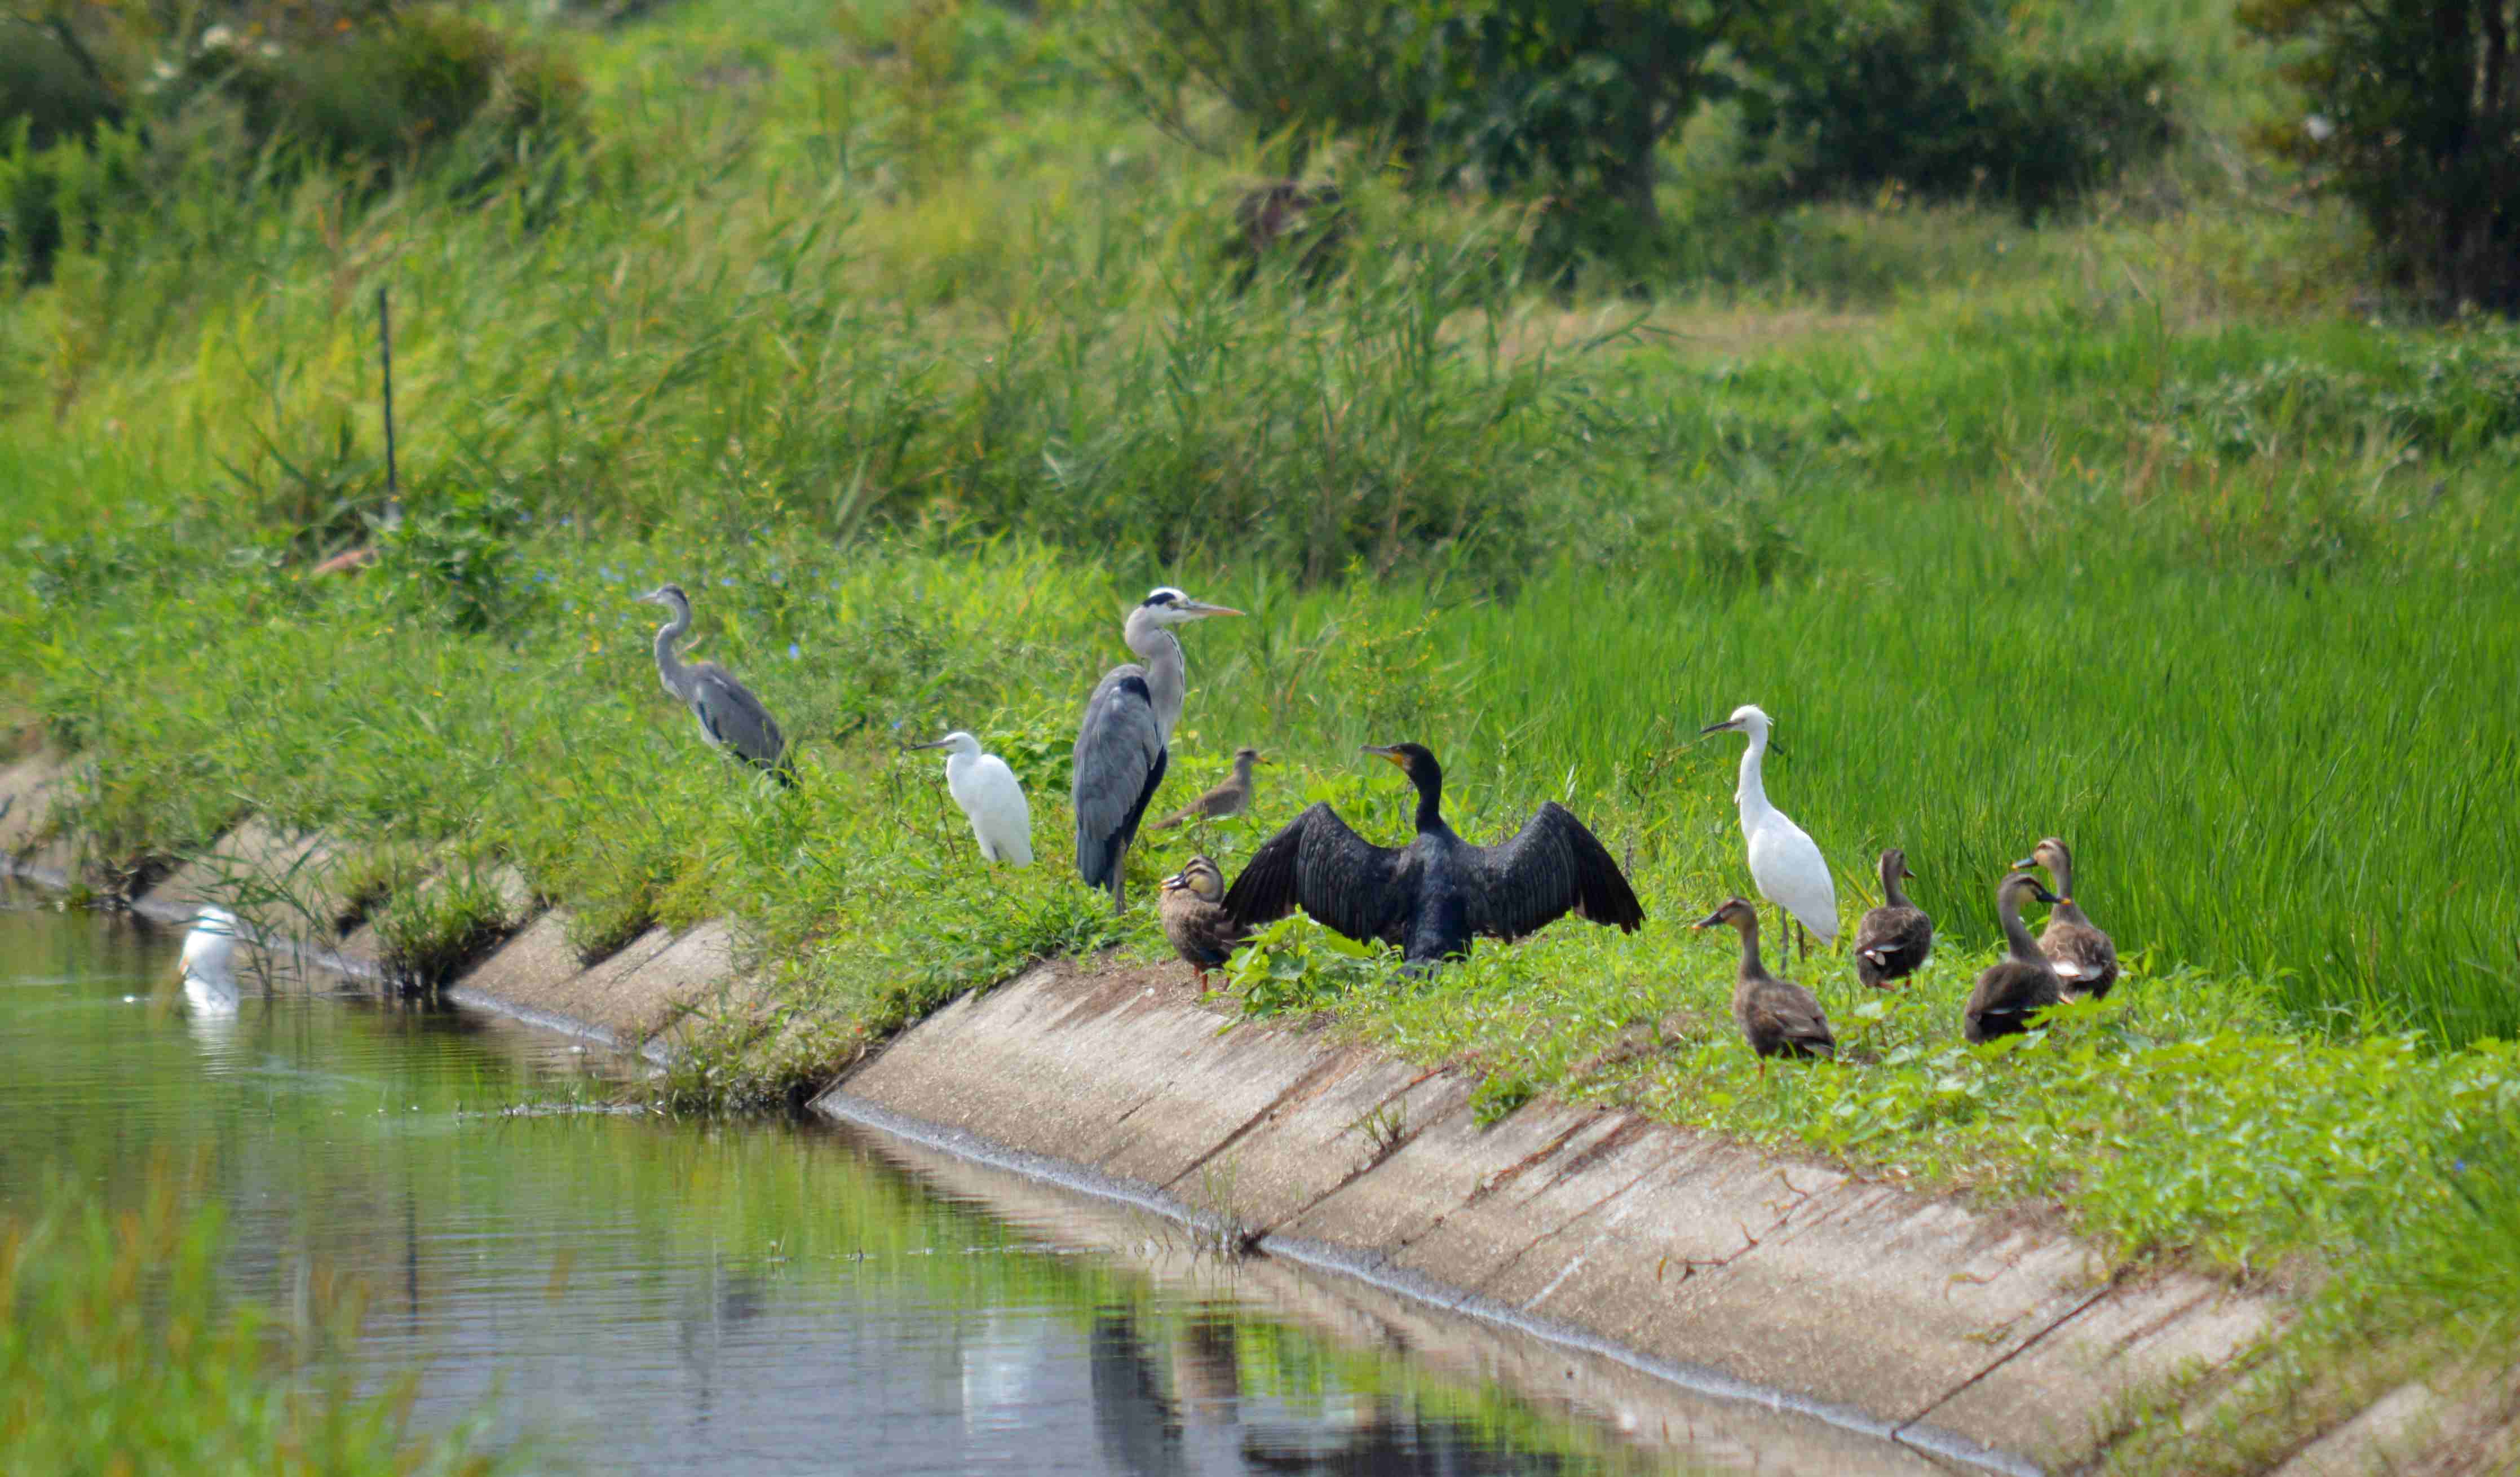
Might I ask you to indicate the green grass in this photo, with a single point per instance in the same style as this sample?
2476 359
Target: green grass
120 1352
2136 528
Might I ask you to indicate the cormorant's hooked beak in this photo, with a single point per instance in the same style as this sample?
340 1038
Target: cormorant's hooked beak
1388 751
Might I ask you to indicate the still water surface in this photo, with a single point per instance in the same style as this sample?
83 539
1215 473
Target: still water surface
651 1296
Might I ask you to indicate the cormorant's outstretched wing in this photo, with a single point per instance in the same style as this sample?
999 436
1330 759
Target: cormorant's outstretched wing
1551 868
1120 759
1342 879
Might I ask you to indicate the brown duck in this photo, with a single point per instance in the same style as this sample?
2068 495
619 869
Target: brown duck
1894 940
1778 1017
1191 903
2012 991
1231 798
2085 959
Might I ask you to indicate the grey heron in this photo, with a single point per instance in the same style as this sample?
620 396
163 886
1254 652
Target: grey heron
990 795
1894 940
1434 895
1192 904
2085 959
1122 744
1784 862
730 716
2012 991
1776 1016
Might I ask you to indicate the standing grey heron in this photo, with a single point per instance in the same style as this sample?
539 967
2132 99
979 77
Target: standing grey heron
1431 896
730 716
1121 745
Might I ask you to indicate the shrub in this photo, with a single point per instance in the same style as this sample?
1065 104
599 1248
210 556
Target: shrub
2415 122
1940 98
50 193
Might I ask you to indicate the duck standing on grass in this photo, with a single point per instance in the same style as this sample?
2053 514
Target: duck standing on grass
1786 863
731 718
1894 940
1432 896
991 797
1777 1017
2012 991
1192 904
2084 957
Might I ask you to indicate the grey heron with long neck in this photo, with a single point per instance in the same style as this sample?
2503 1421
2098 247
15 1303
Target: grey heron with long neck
730 716
1124 742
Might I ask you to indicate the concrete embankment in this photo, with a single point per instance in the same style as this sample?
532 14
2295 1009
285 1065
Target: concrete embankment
1842 1323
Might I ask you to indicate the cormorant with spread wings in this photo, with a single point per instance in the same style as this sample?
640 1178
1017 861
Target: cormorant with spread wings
1431 896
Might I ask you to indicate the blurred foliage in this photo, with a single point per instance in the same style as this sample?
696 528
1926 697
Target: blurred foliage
2412 115
1944 100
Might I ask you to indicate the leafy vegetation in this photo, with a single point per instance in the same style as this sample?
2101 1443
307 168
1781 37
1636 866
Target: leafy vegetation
903 351
122 1350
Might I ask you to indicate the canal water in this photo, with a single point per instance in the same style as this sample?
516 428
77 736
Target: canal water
641 1295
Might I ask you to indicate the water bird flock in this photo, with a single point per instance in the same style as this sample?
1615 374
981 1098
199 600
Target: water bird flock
1432 896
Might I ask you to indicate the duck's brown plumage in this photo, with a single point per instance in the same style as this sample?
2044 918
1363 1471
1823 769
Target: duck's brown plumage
2085 960
1776 1016
1231 798
2012 991
1191 903
1894 940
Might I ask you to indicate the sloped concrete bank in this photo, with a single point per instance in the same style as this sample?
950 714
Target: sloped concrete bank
1804 1313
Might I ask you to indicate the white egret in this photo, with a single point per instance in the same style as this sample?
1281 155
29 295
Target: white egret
209 949
1786 863
991 796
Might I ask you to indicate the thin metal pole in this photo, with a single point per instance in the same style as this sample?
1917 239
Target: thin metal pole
385 352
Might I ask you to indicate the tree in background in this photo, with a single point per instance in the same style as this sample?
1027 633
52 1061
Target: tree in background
2415 117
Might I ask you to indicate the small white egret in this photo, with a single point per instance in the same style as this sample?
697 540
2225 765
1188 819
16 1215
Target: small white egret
990 795
1784 862
209 949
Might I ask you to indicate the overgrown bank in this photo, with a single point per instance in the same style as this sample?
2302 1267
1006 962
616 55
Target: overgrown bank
2122 529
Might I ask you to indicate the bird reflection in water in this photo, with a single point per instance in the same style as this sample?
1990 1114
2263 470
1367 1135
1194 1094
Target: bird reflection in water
1204 1424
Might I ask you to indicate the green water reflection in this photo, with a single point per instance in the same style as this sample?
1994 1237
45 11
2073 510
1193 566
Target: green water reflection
655 1296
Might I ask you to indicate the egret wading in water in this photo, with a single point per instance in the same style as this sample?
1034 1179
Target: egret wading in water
1894 940
2084 956
730 716
1123 743
1776 1016
2012 991
1191 903
209 949
990 795
1786 863
1434 895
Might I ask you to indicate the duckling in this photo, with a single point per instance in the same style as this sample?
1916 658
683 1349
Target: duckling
1778 1017
1894 940
1191 903
2085 959
2014 989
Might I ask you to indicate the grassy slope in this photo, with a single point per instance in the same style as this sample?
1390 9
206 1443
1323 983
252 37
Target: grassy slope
2116 529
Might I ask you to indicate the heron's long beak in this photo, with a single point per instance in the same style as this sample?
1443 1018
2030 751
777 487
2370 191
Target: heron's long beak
1717 728
939 744
1202 607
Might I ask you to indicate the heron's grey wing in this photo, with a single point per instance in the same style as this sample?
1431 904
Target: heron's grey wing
1120 759
732 716
1342 879
1553 867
